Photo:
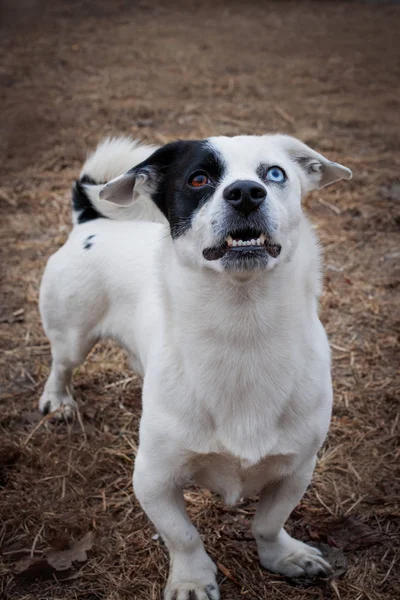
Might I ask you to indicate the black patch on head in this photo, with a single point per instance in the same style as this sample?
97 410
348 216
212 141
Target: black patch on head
169 169
81 202
87 244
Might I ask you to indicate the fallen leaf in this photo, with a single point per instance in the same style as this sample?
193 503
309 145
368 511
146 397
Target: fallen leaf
57 559
347 533
77 552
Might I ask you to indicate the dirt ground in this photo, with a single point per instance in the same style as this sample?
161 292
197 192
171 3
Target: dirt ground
72 72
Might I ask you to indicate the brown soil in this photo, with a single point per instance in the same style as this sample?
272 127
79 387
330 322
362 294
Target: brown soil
72 72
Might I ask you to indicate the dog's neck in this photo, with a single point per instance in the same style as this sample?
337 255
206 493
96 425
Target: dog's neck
202 298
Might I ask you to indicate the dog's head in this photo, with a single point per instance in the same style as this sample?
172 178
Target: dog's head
233 204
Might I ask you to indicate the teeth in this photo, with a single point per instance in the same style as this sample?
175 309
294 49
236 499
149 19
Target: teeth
253 242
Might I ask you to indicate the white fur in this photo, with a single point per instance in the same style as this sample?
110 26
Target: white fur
237 390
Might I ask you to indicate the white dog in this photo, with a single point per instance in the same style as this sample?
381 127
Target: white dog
200 262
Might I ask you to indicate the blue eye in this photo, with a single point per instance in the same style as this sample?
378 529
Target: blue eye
276 175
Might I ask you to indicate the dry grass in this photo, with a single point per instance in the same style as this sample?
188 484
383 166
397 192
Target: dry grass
327 72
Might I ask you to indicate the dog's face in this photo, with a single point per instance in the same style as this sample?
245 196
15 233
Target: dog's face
233 204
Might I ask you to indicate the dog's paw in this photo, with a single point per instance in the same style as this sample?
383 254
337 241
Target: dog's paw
188 590
192 576
293 558
62 405
307 562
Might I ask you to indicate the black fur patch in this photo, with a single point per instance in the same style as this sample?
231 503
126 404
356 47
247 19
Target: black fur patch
81 203
87 244
171 167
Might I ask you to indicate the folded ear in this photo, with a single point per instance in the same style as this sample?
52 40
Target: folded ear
316 171
123 189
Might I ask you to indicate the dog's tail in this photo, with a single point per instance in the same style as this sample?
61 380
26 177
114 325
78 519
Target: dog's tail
112 157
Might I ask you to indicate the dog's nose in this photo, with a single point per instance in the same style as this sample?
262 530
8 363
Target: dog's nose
245 196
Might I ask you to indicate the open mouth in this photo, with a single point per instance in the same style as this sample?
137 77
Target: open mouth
244 242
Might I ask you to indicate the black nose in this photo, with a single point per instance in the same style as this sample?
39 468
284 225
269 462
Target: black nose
245 196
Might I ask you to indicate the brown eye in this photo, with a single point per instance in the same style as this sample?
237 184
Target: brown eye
198 180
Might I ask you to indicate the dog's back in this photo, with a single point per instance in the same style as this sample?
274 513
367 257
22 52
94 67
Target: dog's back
90 280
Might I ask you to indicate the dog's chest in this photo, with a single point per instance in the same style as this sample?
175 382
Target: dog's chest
247 394
250 389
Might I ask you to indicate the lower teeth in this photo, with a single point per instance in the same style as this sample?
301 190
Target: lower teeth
241 243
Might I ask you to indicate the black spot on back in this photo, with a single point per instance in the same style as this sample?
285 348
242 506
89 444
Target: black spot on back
87 244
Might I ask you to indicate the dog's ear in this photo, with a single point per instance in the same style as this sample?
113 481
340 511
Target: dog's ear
143 178
124 189
316 171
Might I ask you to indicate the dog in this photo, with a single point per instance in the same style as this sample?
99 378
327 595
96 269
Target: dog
197 258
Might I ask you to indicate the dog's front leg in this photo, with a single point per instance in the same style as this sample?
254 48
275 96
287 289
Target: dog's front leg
278 551
192 572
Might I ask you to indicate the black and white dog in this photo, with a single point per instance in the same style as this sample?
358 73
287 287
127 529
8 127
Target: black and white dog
200 262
